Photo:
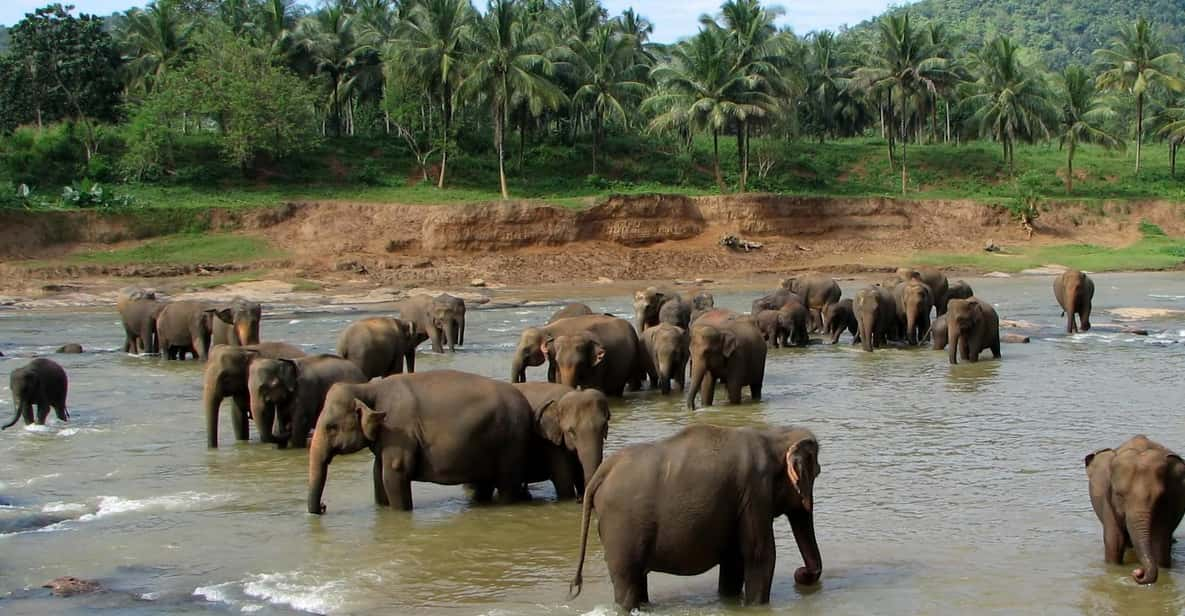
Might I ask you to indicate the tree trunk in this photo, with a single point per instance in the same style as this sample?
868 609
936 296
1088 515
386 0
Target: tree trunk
742 160
1070 168
1139 129
948 121
904 159
716 160
498 145
447 123
522 138
596 140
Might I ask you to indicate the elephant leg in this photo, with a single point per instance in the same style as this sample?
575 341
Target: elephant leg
1085 317
562 477
1114 540
380 490
146 342
734 387
629 586
298 429
59 408
732 574
26 411
551 371
42 413
755 391
483 492
410 360
707 390
240 416
398 489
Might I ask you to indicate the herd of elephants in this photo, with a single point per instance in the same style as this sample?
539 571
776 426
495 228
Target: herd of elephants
705 497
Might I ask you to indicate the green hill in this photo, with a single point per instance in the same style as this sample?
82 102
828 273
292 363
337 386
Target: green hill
3 39
1057 32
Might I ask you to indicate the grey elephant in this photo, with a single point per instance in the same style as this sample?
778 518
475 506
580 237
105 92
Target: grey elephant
570 310
187 327
876 316
667 351
450 311
647 304
933 278
972 326
1074 292
243 327
701 303
41 382
570 427
817 292
675 311
138 310
775 301
913 301
379 346
838 317
226 376
424 317
288 393
729 348
939 337
443 427
667 507
591 351
958 289
1138 493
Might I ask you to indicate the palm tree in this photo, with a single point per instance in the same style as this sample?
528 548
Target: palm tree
639 29
508 67
342 53
1083 112
154 39
431 49
608 77
1135 62
1009 101
275 23
579 18
826 78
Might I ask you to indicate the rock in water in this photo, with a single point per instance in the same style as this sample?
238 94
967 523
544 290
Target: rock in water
73 347
69 586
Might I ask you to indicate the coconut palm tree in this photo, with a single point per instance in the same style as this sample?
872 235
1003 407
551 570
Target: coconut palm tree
430 48
608 77
507 67
579 18
153 38
1084 110
342 53
826 78
275 23
639 29
1135 62
1009 102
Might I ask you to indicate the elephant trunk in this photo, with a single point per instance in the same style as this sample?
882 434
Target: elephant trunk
1138 530
911 325
518 369
434 337
664 375
568 375
953 340
211 400
450 336
319 458
802 522
264 413
865 327
247 332
17 405
698 371
590 455
1071 308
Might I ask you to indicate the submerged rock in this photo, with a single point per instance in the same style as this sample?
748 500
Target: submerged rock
72 347
68 586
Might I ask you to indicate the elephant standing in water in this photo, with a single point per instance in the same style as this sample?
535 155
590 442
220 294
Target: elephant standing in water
1138 493
450 312
243 327
226 376
667 351
817 292
442 426
840 316
596 351
647 304
570 430
726 347
876 316
41 382
1074 292
570 310
667 507
379 346
913 301
972 325
138 310
289 393
958 290
432 320
933 278
187 327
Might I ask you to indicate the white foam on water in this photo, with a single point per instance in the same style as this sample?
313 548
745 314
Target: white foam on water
60 507
182 501
294 321
293 589
40 429
150 596
68 432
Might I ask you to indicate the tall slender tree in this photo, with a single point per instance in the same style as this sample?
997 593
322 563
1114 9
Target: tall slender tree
342 54
1009 101
1083 117
153 39
608 78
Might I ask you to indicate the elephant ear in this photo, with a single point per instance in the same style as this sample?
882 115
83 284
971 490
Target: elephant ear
802 467
549 423
1090 456
290 374
728 343
225 315
545 346
369 419
598 354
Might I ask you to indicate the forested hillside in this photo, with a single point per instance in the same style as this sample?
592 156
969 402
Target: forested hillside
3 39
1056 33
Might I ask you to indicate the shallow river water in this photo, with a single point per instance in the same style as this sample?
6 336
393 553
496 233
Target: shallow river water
945 489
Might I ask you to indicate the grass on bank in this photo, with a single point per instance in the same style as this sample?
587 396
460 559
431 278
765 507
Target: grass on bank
185 249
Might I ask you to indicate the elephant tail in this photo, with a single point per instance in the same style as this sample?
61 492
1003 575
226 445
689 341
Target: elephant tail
585 517
17 417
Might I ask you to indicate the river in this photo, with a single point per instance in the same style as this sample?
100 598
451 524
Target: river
944 489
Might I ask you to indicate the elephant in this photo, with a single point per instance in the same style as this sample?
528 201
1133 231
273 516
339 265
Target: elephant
665 506
1074 292
1138 493
243 328
570 310
972 326
186 327
775 301
647 304
138 310
71 348
786 326
379 346
442 426
675 311
422 314
700 303
597 351
290 392
817 292
41 382
570 427
933 278
450 310
913 303
840 316
667 350
958 290
939 336
876 316
728 349
226 376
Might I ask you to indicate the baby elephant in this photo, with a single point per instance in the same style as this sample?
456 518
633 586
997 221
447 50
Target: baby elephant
41 382
840 316
1138 493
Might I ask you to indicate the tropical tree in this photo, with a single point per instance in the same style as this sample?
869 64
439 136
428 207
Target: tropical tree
1135 62
1083 114
508 67
1009 101
826 78
342 53
608 77
579 18
639 29
153 39
431 49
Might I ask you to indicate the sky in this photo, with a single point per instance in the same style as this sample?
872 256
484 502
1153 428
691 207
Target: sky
672 19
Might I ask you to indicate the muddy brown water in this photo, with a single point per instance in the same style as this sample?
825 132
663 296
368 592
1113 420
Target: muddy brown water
945 489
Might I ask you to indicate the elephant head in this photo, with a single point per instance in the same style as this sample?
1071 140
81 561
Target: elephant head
647 303
703 302
531 351
797 451
710 349
578 422
669 346
576 356
867 306
245 317
916 302
271 382
203 321
447 312
348 423
963 317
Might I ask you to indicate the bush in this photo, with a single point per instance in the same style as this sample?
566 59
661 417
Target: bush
50 157
93 197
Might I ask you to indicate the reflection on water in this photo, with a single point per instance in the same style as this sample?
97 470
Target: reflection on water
944 488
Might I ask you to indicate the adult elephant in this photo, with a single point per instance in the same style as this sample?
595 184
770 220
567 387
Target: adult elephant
571 310
647 304
701 303
667 507
959 289
138 310
450 312
913 302
840 316
1138 493
817 292
226 376
1074 292
728 349
570 427
379 346
421 315
590 351
243 328
289 393
775 301
41 383
667 351
972 326
675 311
443 427
187 327
876 316
933 278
